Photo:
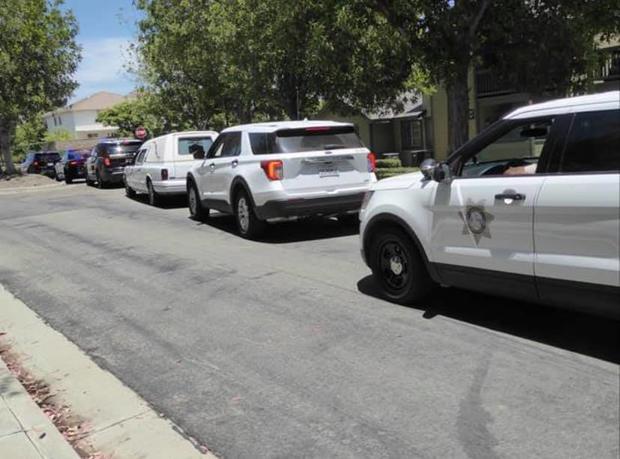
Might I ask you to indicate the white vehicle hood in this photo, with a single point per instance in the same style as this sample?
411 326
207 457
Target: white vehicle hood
398 182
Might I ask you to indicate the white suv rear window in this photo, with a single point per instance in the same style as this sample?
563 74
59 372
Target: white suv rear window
305 139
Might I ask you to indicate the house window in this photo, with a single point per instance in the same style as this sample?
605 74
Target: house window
412 134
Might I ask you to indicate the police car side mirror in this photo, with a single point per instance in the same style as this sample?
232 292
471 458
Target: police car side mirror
427 167
433 170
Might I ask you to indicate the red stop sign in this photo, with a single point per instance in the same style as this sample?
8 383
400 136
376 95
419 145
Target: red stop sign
140 133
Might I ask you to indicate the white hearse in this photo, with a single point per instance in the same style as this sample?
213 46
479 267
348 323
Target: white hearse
528 209
162 163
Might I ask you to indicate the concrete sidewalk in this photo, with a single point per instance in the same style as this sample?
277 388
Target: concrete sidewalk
25 431
118 423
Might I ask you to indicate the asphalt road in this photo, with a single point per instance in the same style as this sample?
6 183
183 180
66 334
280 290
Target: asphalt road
279 348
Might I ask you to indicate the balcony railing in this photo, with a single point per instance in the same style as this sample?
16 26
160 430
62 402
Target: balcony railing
609 69
487 84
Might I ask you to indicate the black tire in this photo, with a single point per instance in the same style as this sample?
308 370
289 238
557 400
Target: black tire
398 267
100 183
154 198
196 210
68 179
248 224
129 191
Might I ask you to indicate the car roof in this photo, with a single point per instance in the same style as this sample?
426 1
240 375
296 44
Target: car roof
185 134
118 141
602 101
277 125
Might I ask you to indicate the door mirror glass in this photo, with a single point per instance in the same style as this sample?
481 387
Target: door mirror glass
433 170
427 167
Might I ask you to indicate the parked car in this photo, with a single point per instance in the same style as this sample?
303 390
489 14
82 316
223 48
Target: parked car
528 209
273 171
40 162
162 164
71 165
106 164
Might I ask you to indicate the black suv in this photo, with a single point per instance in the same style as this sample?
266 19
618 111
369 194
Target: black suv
40 162
108 160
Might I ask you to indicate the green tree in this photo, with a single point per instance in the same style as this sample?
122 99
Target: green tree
58 135
534 46
224 61
38 56
130 114
29 135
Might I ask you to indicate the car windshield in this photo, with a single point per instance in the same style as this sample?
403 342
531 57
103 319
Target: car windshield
305 139
47 156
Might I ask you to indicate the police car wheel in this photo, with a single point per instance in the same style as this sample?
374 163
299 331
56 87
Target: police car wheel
398 267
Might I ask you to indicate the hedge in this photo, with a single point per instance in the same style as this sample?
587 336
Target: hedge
388 163
391 172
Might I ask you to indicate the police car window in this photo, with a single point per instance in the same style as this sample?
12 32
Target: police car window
516 152
593 143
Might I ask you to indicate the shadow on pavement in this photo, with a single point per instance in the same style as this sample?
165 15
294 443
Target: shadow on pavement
590 335
292 231
168 202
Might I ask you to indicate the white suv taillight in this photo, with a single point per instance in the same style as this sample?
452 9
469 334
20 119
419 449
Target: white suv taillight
274 170
372 162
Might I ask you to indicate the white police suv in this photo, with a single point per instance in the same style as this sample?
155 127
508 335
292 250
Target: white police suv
272 171
528 209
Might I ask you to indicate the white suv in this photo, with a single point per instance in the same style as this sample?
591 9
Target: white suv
528 209
274 171
162 163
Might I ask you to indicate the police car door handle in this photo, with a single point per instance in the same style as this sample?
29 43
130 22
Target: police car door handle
511 196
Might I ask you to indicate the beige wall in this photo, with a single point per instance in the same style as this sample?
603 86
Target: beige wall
439 119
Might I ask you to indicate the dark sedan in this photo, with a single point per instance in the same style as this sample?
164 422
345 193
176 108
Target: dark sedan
71 165
40 162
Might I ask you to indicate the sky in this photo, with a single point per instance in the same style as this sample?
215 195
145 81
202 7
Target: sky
106 28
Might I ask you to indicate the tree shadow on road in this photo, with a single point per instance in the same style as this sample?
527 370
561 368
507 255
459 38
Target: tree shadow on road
590 335
291 231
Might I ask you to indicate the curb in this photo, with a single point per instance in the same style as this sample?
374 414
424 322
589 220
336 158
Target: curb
25 431
120 423
29 189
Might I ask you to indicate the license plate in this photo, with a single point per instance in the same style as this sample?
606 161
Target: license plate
50 164
328 172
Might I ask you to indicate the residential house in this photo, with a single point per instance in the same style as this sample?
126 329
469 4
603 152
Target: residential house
420 129
79 119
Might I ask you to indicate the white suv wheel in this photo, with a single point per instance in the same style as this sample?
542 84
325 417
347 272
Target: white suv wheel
243 214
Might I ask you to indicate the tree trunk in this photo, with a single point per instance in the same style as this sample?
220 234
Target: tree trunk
7 128
458 110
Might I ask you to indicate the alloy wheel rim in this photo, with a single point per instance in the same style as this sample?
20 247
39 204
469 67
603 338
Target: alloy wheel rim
243 213
394 266
192 201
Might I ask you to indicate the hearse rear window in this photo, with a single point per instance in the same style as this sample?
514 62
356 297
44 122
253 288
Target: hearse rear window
189 145
305 139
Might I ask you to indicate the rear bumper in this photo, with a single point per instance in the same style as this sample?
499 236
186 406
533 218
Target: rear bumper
332 205
113 175
75 172
175 186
